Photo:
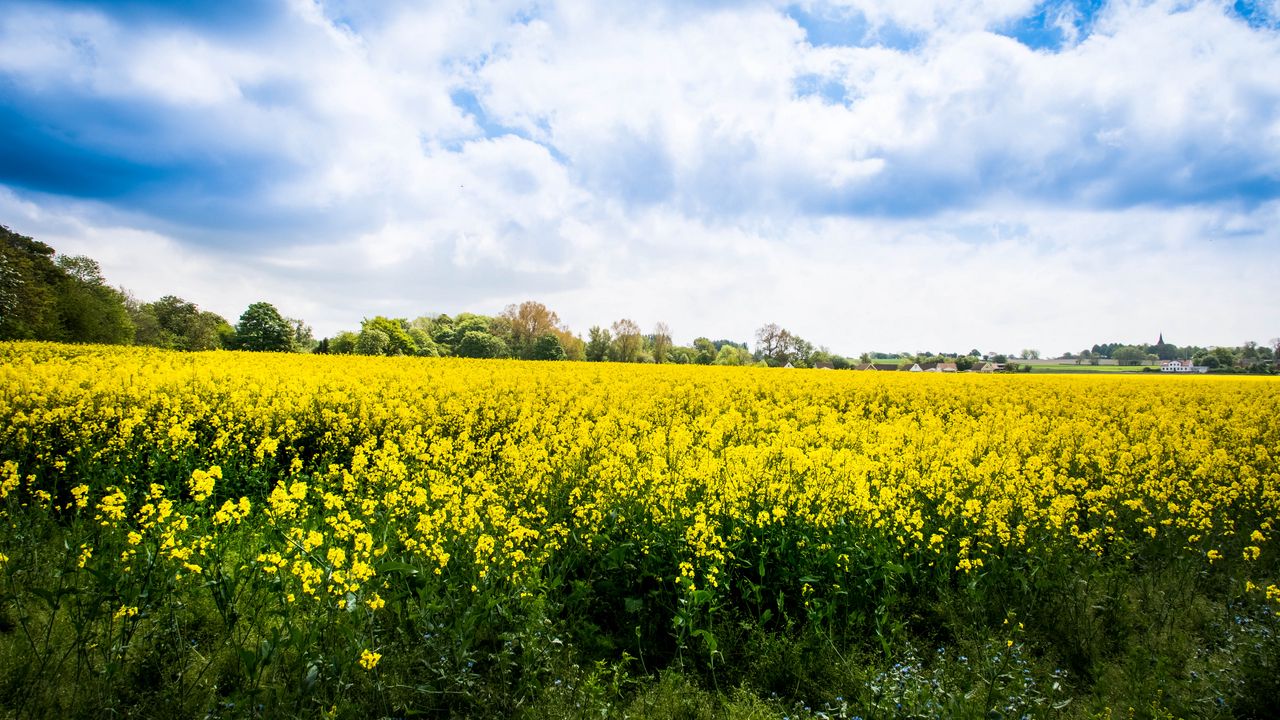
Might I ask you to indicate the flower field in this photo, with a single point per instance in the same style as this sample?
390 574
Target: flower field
229 534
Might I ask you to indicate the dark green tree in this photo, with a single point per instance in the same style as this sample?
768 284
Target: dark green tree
44 296
263 329
28 281
90 310
479 344
548 347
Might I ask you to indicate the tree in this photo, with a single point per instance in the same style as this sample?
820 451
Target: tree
89 309
681 355
598 343
478 344
398 341
732 355
548 347
263 328
773 343
529 323
28 299
174 323
1128 355
626 341
425 346
373 341
661 342
303 340
45 296
344 343
1225 356
574 348
1031 354
705 351
777 346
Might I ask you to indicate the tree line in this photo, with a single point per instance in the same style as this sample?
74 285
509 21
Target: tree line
64 298
45 295
529 331
1249 357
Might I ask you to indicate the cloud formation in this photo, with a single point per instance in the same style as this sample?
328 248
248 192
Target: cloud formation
887 175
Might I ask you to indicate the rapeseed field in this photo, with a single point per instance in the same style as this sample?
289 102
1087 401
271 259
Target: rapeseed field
239 534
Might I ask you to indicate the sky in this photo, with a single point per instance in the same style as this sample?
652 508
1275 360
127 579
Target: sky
887 175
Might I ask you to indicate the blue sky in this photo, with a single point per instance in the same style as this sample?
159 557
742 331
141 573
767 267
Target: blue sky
873 174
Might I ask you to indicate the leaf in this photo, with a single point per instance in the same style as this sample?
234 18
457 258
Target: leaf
708 638
391 567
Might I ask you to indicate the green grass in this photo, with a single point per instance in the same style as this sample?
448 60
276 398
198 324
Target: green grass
1086 639
1054 367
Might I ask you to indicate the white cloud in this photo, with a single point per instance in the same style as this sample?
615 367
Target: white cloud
704 166
930 15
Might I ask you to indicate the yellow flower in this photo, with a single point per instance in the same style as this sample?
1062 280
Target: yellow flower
369 660
202 481
111 507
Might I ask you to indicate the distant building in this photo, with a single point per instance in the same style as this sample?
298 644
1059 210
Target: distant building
1181 366
823 366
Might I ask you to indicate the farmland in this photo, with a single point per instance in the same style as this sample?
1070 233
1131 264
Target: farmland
230 534
1072 368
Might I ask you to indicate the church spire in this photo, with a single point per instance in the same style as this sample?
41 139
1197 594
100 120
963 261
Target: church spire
1161 340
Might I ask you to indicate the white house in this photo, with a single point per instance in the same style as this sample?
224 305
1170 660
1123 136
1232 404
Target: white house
1181 366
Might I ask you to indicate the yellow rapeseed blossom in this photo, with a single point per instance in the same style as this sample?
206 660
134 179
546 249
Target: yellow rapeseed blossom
202 482
80 494
485 473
